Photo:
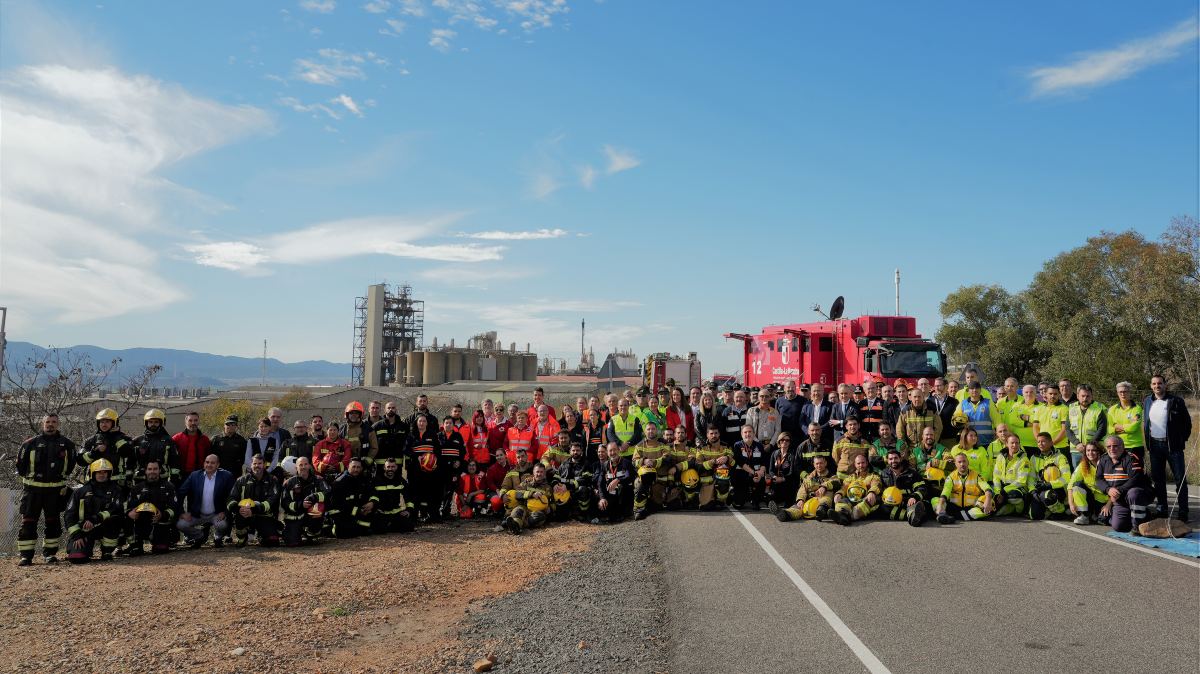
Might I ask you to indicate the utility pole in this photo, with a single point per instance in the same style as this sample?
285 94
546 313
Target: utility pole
264 374
897 292
3 343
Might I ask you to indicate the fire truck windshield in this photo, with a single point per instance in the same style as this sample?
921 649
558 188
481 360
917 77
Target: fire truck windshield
902 362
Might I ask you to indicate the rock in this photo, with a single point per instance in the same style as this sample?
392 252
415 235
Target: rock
484 664
238 652
583 645
1163 528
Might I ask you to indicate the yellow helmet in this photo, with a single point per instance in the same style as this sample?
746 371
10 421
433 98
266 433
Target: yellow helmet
510 499
99 465
690 478
537 504
646 470
959 419
246 503
932 472
147 507
107 413
810 508
154 413
561 494
722 473
856 492
893 496
1051 473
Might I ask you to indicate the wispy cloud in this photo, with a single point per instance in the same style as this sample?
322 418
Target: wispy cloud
543 184
331 66
496 235
348 103
587 176
319 6
394 236
395 27
1089 70
439 38
89 211
377 6
619 160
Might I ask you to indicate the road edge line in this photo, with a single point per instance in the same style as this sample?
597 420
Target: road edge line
860 650
1131 546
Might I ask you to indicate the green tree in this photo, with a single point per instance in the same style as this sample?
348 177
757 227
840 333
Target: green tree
212 417
990 326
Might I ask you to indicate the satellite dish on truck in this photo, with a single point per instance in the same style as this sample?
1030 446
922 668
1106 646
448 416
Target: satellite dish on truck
835 311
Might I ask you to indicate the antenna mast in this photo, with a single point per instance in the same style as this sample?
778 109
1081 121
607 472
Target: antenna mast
264 373
897 292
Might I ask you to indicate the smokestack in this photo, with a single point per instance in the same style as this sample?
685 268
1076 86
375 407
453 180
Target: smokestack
897 292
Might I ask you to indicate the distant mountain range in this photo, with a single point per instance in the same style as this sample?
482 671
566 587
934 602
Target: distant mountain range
188 369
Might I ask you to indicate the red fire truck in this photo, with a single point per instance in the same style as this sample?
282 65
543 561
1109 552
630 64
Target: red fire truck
849 350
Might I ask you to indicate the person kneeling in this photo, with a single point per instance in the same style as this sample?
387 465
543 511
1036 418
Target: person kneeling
350 503
94 514
151 510
904 491
1119 475
392 513
530 505
254 502
1088 504
303 503
964 494
859 496
814 499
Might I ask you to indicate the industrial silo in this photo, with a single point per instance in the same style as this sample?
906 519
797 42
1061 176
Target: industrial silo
401 369
501 367
471 365
454 366
435 368
416 367
530 368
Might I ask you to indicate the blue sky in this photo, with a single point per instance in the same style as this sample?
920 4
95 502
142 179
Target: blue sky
207 176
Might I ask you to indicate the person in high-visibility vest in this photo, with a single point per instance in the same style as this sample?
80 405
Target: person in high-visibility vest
1088 504
980 413
1019 418
1011 479
964 494
625 428
859 495
1052 418
1087 421
1125 420
1050 474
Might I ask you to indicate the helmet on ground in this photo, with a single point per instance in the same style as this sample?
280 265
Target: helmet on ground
288 465
246 503
959 419
316 510
646 470
856 492
561 494
427 462
1051 473
154 413
1048 497
810 508
537 504
497 503
510 499
893 496
354 406
146 507
932 472
690 478
107 413
99 465
722 473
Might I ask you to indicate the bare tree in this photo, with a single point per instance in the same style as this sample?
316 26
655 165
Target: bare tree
135 388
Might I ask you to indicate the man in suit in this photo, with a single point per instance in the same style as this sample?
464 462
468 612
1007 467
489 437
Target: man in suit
1166 430
944 405
202 498
843 410
818 411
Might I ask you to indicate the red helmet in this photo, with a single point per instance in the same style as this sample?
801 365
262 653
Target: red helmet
354 406
428 461
316 510
497 504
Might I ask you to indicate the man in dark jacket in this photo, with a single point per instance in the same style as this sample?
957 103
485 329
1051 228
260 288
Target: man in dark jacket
154 445
43 464
230 447
254 504
1166 430
350 504
913 503
151 509
302 500
818 410
944 405
203 500
790 406
392 513
614 484
1119 474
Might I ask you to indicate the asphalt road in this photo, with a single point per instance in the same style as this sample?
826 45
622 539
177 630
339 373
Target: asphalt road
1002 595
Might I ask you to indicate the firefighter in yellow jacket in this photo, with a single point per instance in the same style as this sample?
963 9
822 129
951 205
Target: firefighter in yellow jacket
530 505
814 499
714 462
964 494
650 486
859 495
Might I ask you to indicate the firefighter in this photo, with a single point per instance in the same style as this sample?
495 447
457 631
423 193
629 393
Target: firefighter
154 445
849 446
1088 504
814 499
859 495
517 473
579 476
110 444
650 485
1051 470
783 471
254 504
43 464
886 442
531 503
679 452
932 459
151 509
905 495
814 446
427 482
357 431
453 452
422 410
912 421
349 512
714 462
614 483
302 499
750 470
94 514
301 443
230 447
391 511
558 452
1011 479
964 494
391 434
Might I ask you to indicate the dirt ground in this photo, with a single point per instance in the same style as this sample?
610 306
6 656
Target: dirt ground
379 604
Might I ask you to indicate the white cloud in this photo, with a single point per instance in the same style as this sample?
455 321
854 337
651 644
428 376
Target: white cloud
396 25
543 185
331 66
319 6
377 6
495 235
86 208
412 7
312 108
1098 68
587 176
322 242
475 275
534 14
348 103
619 160
440 38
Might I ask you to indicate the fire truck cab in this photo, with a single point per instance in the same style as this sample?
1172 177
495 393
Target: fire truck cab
840 350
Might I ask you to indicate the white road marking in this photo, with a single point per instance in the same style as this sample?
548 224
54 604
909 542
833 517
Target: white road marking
856 645
1131 546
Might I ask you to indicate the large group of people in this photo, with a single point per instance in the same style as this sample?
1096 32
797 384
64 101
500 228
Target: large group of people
935 450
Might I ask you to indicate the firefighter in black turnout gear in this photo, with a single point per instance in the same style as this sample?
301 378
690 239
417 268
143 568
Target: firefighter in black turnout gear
154 445
302 499
391 434
905 493
254 504
151 509
94 515
230 447
110 444
350 504
43 464
579 477
391 511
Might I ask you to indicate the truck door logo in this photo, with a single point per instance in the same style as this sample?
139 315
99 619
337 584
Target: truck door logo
786 346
